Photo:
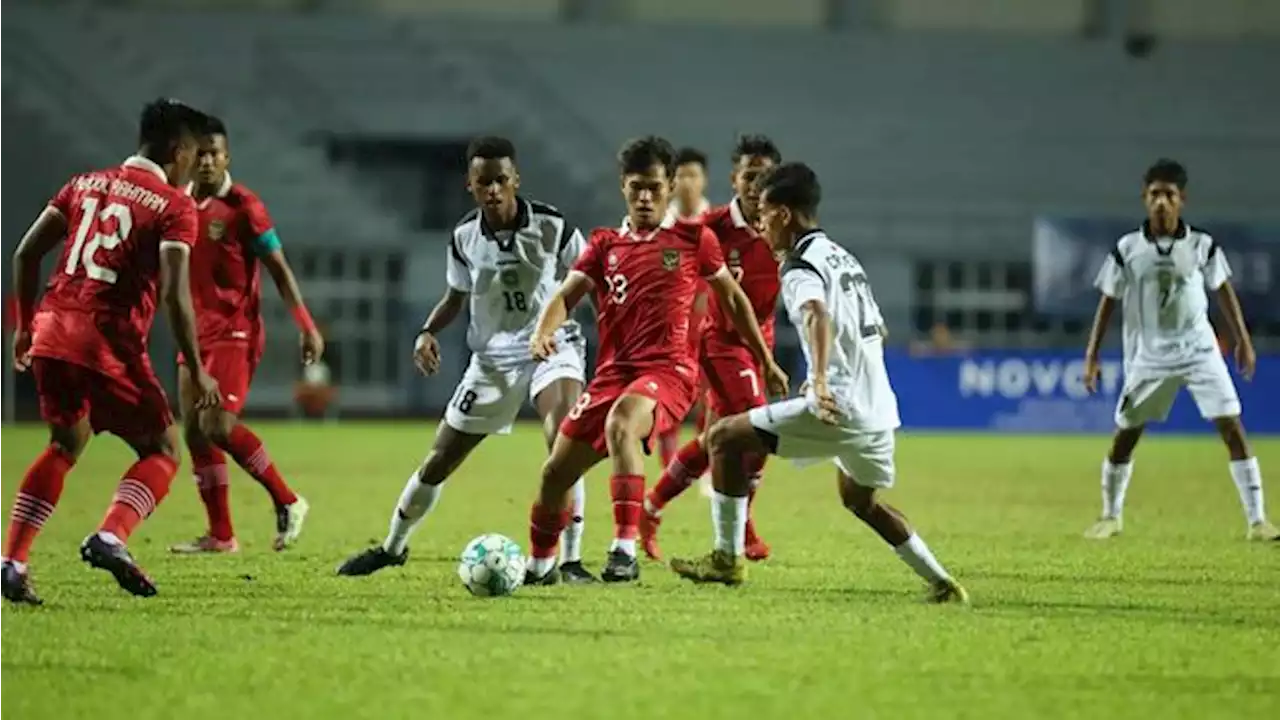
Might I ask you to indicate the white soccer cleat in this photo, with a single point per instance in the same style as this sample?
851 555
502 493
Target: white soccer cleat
289 520
1263 531
1105 528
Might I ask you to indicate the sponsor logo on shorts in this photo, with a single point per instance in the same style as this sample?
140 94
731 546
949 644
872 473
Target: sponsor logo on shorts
670 259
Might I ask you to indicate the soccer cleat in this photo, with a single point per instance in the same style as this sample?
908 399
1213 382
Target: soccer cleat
115 559
715 567
1263 531
1105 528
620 567
948 591
16 586
205 544
649 524
756 549
371 561
551 578
289 519
573 573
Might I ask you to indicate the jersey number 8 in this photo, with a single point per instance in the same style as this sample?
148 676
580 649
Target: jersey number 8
84 252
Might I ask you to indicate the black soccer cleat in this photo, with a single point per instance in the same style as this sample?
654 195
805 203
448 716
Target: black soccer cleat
16 586
371 561
621 567
573 573
551 578
116 560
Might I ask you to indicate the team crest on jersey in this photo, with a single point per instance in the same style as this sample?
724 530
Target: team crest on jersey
670 259
510 278
217 230
613 260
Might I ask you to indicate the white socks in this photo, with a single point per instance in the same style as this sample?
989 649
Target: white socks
1115 481
571 538
627 545
918 556
729 518
416 501
1248 480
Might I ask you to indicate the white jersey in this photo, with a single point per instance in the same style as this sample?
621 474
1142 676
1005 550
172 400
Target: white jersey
1161 282
510 274
819 269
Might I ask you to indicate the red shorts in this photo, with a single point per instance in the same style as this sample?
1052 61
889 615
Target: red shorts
734 381
232 364
673 388
131 405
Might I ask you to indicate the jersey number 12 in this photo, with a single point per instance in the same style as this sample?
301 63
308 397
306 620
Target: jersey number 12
84 252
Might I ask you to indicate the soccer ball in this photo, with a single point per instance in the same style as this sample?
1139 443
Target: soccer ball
491 566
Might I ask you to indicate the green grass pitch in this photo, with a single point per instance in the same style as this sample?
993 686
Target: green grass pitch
1178 618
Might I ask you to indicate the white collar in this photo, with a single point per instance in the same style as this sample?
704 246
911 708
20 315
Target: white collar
735 212
701 209
223 190
668 222
141 163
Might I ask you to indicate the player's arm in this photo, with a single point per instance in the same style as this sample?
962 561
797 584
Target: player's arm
1110 282
175 296
266 245
731 297
44 234
1217 276
556 311
426 348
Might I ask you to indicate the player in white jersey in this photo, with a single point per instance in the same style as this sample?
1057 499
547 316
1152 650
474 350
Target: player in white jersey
503 262
1160 274
848 412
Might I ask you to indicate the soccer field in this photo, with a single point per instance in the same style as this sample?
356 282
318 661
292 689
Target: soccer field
1180 617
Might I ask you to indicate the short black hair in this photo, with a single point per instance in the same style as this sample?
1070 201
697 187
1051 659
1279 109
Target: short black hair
491 147
794 185
642 153
1166 170
691 156
164 120
215 126
756 145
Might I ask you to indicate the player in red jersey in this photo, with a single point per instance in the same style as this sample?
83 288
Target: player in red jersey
689 203
644 276
127 229
236 238
734 376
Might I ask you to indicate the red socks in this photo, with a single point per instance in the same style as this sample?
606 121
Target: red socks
251 455
545 527
143 487
210 469
37 496
690 463
628 504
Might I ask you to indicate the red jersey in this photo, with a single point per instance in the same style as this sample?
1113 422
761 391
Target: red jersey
644 289
225 286
117 221
752 264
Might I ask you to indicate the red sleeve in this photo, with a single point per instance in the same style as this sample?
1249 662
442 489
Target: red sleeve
62 201
710 259
180 223
590 261
256 212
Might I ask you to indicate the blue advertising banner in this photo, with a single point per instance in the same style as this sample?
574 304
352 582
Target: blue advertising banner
1067 253
1043 392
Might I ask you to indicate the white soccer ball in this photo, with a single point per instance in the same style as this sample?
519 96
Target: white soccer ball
491 566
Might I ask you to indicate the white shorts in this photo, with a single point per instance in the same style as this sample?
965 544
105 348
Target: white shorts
1148 397
867 457
489 397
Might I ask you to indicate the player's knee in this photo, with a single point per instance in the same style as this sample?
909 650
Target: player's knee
70 440
859 500
1233 434
216 425
721 438
619 426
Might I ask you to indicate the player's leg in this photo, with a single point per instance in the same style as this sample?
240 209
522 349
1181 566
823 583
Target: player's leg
1142 400
65 411
233 366
485 402
863 471
209 466
627 429
1215 395
690 463
554 398
729 441
570 459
